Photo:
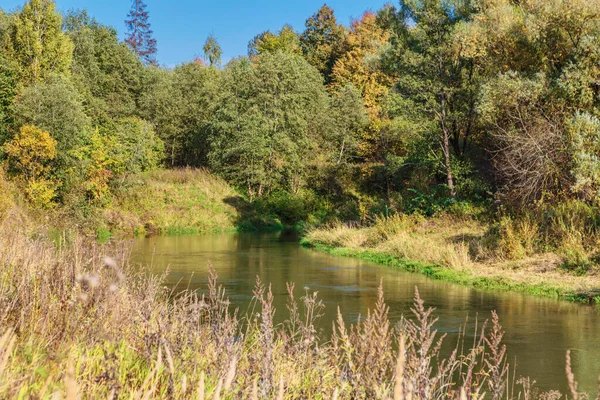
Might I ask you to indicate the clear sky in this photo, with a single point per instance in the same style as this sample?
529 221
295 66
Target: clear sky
181 27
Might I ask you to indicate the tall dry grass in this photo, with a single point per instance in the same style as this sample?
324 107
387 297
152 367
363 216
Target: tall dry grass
78 324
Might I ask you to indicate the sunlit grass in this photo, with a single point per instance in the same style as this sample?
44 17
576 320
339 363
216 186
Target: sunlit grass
458 250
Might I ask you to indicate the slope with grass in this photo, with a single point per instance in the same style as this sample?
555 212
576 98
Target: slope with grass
457 250
182 201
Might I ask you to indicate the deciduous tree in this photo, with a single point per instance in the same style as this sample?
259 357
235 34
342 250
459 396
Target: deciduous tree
212 51
321 41
36 43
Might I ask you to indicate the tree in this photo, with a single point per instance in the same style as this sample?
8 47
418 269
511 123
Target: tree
286 40
540 102
530 148
266 122
212 51
56 107
136 148
37 44
359 66
139 36
435 79
7 94
321 41
358 63
29 156
180 103
107 73
348 119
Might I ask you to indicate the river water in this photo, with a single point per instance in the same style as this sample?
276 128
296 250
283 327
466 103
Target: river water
538 331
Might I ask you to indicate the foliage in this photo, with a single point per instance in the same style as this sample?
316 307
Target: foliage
107 73
348 119
36 44
55 106
264 122
212 51
286 40
584 135
136 147
180 105
29 157
322 41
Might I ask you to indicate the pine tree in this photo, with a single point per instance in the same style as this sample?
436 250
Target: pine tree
140 37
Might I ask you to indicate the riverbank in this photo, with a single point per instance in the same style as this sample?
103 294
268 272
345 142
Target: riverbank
456 250
79 320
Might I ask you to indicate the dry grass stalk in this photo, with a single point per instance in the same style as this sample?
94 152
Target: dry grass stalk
200 391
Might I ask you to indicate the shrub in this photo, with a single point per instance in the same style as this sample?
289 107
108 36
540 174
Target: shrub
29 157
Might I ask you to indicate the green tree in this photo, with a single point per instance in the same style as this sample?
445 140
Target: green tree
37 44
212 51
286 40
179 104
435 79
322 40
265 122
348 119
55 106
107 73
136 147
7 94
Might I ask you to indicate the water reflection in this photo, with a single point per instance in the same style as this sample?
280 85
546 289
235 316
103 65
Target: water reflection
538 331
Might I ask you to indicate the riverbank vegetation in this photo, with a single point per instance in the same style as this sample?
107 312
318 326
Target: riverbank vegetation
78 323
467 252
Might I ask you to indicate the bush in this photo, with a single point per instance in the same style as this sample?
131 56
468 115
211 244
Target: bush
29 157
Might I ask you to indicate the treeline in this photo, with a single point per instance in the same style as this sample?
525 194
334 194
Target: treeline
417 107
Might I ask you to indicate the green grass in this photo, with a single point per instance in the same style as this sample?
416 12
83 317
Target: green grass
180 202
455 276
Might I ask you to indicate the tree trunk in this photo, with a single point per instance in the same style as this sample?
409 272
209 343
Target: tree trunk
446 143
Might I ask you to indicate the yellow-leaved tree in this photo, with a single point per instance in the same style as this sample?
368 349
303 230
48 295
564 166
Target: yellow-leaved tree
29 156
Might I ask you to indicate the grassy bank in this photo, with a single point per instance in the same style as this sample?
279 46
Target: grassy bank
182 201
77 321
456 250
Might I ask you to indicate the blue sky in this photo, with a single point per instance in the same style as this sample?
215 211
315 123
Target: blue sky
181 27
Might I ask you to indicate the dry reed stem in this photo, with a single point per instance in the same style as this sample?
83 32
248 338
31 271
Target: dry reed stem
200 391
217 394
255 389
70 383
281 391
398 385
230 375
571 377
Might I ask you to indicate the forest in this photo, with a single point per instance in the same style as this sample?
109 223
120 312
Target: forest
481 115
484 109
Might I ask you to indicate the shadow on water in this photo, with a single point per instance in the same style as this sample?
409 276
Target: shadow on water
538 331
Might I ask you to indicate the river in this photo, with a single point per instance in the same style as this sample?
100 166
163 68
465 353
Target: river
538 331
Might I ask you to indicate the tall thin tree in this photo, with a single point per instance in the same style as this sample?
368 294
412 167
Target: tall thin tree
212 51
140 36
